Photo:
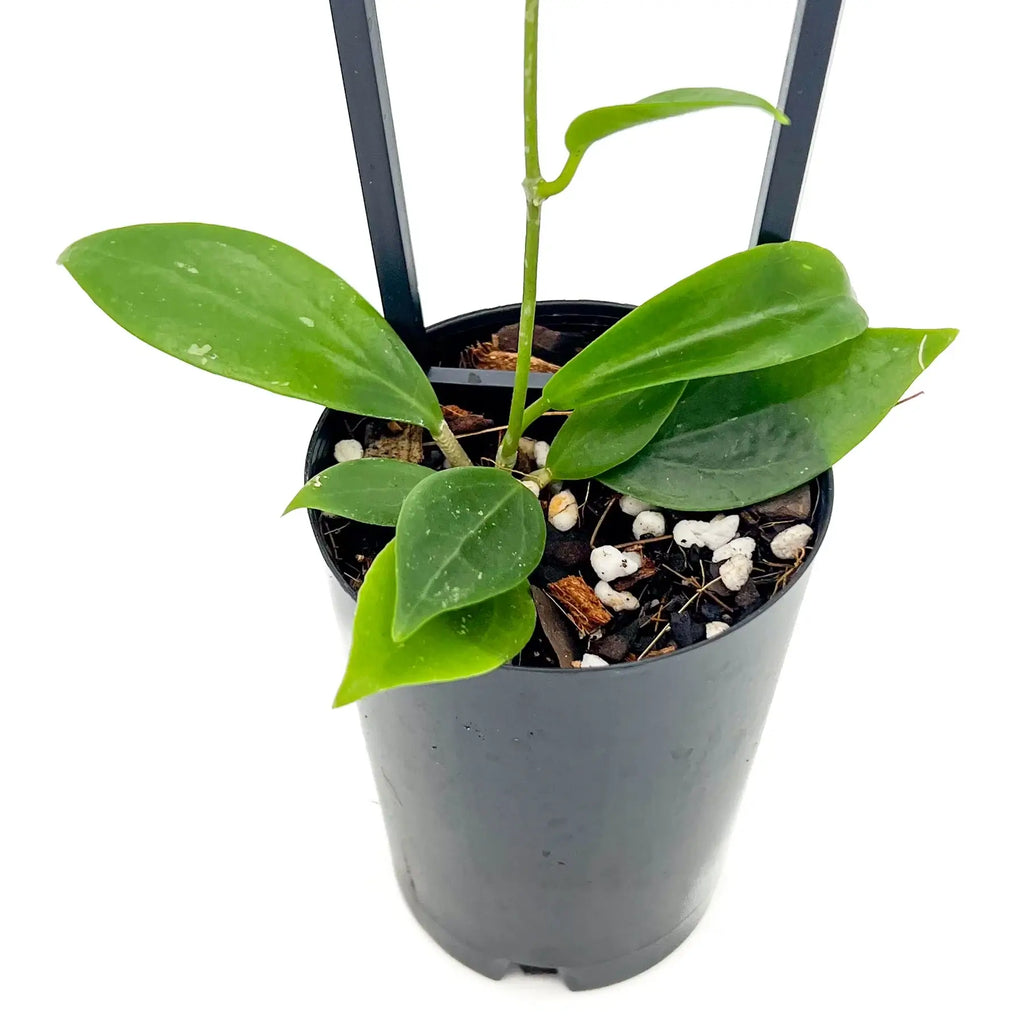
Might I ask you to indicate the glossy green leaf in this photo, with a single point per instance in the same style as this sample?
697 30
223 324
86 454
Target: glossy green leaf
368 490
604 434
464 535
597 124
245 306
457 644
764 306
739 439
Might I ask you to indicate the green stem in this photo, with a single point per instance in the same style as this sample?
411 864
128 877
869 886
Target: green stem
541 477
528 313
546 189
535 411
449 444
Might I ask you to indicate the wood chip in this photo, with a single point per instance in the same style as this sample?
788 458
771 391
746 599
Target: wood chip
392 440
464 422
487 356
645 572
795 504
544 339
580 603
555 627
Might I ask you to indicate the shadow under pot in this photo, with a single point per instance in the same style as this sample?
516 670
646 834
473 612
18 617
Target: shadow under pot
564 821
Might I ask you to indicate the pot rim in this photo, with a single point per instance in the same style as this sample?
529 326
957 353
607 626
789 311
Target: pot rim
822 514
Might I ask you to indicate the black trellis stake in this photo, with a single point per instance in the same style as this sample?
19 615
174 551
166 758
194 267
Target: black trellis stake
373 134
803 81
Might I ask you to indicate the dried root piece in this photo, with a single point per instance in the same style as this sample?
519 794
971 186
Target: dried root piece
487 356
403 441
580 603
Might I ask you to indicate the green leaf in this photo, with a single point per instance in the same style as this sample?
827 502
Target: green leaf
739 439
368 490
604 434
597 124
245 306
464 535
764 306
457 644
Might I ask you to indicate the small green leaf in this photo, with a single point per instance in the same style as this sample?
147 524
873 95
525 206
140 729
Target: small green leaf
457 644
601 122
367 490
604 434
742 438
597 124
245 306
464 535
760 307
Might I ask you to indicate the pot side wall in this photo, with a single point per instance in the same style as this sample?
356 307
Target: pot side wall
571 820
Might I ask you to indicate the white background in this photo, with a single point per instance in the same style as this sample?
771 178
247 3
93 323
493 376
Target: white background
189 832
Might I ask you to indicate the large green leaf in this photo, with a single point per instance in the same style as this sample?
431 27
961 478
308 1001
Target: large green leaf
606 433
739 439
597 124
464 535
245 306
368 490
760 307
457 644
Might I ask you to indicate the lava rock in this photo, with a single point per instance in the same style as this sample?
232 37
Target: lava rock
683 629
569 549
615 646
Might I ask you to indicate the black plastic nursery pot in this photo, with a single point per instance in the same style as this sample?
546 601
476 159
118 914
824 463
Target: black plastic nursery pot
570 821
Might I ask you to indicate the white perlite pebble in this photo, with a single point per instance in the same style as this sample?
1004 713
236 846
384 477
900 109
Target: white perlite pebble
735 571
540 453
739 546
792 541
348 451
611 564
714 629
716 534
649 524
615 600
532 486
563 513
633 506
527 446
592 661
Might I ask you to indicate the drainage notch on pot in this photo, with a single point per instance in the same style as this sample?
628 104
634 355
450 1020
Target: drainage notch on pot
566 817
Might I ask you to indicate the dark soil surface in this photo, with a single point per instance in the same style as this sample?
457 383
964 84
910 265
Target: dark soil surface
679 590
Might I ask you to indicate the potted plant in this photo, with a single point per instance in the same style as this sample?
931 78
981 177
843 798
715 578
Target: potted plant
604 576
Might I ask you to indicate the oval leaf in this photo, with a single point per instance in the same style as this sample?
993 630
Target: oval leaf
764 306
464 535
368 490
604 434
245 306
457 644
596 124
736 440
